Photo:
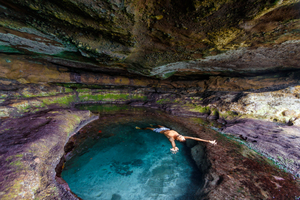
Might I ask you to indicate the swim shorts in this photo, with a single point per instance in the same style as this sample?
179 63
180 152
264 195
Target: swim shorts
160 129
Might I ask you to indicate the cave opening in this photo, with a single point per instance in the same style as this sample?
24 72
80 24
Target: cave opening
111 159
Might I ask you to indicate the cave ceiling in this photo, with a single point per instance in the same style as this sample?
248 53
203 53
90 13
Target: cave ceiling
178 38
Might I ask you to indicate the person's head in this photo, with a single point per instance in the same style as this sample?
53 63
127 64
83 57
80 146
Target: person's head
180 138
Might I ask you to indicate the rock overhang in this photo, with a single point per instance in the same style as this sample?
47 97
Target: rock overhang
209 59
154 38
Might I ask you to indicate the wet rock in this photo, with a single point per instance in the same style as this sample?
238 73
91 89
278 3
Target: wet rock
198 154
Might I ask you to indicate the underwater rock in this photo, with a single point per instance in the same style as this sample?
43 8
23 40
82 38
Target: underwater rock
137 163
116 197
122 168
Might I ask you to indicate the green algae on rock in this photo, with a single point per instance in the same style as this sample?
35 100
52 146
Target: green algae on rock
226 61
26 167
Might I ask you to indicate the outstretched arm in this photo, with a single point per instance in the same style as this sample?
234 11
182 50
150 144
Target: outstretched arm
201 140
174 149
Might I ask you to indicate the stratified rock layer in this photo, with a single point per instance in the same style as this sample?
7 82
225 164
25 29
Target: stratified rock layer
31 147
222 60
155 38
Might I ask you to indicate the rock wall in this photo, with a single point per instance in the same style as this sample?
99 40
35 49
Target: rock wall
31 147
234 63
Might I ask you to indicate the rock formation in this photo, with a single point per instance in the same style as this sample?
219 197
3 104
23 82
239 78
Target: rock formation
234 62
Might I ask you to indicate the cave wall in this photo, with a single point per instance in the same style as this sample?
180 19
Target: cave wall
29 85
222 60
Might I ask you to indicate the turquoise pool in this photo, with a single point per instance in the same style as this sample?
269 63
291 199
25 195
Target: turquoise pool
118 161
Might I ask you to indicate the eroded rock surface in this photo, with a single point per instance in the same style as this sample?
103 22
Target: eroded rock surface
236 171
31 147
156 38
277 141
231 169
225 60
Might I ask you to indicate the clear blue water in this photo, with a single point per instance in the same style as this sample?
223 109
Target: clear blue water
126 163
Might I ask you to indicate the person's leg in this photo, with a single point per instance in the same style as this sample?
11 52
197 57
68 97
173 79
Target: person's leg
145 128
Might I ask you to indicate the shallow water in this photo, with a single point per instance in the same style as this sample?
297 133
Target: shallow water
121 162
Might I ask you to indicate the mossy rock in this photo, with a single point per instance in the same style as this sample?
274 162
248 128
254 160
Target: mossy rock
200 109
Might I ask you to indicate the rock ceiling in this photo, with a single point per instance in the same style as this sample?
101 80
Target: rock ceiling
222 60
156 38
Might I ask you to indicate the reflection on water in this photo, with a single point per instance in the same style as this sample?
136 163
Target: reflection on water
117 161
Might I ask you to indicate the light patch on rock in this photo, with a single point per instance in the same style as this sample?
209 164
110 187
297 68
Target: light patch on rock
32 45
235 60
282 105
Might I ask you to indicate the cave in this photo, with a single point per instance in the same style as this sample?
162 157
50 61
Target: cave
110 158
225 70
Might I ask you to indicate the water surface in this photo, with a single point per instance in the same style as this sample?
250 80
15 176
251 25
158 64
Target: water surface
118 161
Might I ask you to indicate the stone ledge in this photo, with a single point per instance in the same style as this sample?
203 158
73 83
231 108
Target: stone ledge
32 147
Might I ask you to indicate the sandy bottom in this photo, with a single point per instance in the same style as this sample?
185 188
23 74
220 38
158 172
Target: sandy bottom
126 163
